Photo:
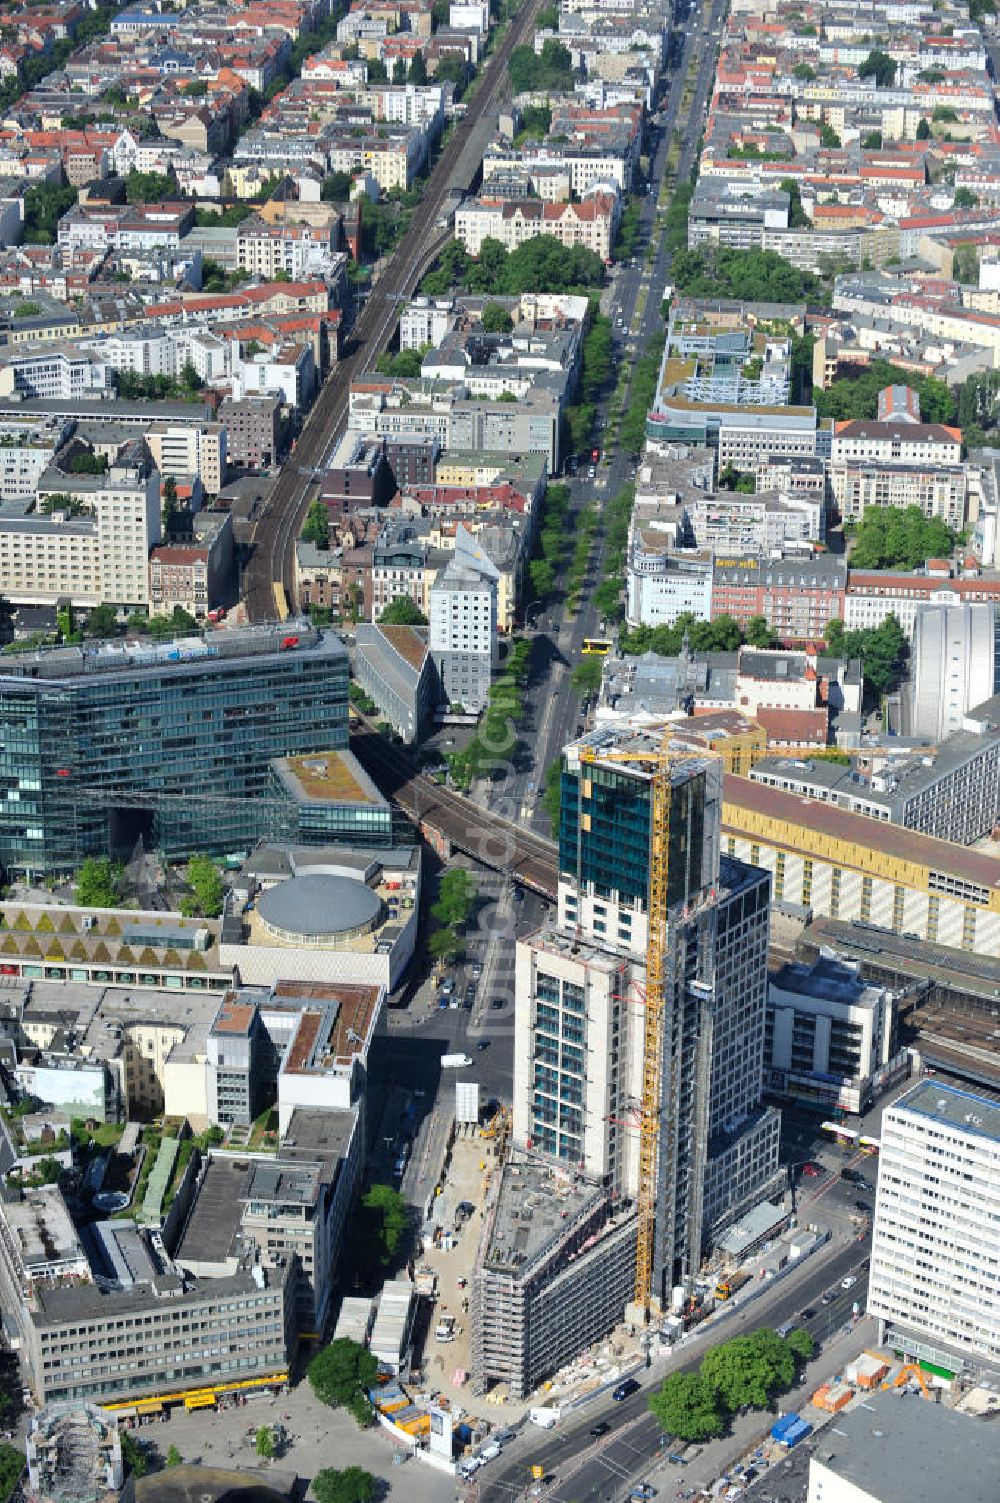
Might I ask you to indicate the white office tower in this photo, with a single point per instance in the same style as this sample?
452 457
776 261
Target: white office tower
935 1268
579 1054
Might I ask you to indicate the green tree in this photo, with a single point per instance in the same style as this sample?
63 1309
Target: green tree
750 276
417 75
102 622
895 537
496 320
406 364
797 216
89 463
551 69
879 66
206 882
134 1458
747 1370
149 187
872 141
341 1375
758 633
923 130
382 1225
99 883
174 1457
804 72
542 576
857 396
168 500
264 1442
316 528
456 895
403 612
44 206
444 945
11 1466
336 187
828 136
944 114
800 1344
685 1406
586 676
352 1485
377 71
964 199
536 119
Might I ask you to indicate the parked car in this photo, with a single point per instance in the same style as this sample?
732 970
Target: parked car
497 1003
829 1297
849 1282
807 1314
624 1390
602 1428
811 1170
483 1044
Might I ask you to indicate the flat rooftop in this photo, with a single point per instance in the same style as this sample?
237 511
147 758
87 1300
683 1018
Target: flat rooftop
327 777
828 980
974 1115
183 655
214 1223
537 1204
904 1450
779 807
42 1227
234 1017
278 1183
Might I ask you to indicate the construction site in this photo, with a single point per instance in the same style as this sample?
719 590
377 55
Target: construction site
638 1125
74 1455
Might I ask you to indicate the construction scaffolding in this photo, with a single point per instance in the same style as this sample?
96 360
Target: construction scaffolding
658 1149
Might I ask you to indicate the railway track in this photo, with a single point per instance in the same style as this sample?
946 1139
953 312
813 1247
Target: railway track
497 843
284 512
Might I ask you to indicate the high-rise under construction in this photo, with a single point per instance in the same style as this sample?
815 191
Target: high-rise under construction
581 1059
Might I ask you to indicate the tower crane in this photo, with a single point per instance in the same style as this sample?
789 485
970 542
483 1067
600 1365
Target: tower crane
659 760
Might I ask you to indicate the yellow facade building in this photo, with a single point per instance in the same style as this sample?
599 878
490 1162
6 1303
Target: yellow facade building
851 867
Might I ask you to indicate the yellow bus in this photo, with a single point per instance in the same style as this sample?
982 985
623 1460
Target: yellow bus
600 646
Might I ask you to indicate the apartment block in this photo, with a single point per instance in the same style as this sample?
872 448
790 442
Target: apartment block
592 223
796 596
89 540
951 792
82 1341
463 635
935 1265
199 450
253 429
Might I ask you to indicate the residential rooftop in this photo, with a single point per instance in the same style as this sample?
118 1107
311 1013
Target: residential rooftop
947 1105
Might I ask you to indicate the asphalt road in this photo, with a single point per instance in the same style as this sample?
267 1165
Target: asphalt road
612 1462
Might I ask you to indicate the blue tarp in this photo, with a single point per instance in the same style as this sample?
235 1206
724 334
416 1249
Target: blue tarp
790 1429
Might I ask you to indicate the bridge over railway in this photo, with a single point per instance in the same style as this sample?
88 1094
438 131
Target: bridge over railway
457 822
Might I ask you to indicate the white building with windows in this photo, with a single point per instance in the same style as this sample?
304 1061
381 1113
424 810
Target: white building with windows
92 546
935 1266
463 623
828 1035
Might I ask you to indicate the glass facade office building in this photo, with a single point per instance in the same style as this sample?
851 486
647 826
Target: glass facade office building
171 743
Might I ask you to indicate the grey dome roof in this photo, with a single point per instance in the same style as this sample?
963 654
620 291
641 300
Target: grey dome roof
319 904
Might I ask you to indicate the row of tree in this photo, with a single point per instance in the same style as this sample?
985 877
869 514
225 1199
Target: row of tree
456 895
541 264
752 276
856 396
883 651
898 537
724 634
744 1373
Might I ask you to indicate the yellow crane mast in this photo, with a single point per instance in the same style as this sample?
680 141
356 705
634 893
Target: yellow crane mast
660 760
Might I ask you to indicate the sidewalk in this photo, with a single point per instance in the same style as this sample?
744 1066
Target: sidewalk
750 1430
